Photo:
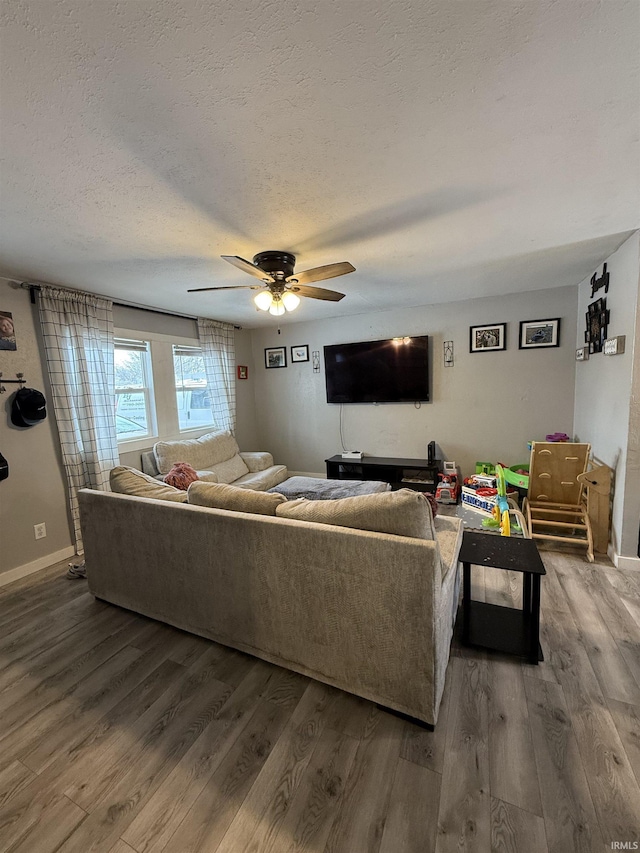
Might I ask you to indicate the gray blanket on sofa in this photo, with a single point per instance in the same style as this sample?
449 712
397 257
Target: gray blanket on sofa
315 489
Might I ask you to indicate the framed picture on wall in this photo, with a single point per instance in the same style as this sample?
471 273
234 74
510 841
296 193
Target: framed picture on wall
597 321
488 338
7 331
537 334
300 353
275 357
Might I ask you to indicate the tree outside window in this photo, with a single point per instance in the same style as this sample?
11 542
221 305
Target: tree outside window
135 414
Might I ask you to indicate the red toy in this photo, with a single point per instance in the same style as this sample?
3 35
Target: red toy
448 490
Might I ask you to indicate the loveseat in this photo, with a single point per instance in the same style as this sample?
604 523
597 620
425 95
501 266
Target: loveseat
369 612
216 458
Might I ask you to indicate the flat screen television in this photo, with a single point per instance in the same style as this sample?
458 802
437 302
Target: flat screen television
395 370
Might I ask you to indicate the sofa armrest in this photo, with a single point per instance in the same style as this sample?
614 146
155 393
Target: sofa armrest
257 461
449 532
149 464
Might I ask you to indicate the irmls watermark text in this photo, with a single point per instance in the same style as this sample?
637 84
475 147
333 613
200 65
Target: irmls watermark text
625 845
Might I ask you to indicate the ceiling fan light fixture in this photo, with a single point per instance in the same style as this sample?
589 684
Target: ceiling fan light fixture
290 301
277 308
263 300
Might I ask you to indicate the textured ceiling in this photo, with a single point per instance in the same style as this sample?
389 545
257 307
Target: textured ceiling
447 149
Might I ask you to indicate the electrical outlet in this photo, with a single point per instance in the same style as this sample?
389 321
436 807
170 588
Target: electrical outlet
40 530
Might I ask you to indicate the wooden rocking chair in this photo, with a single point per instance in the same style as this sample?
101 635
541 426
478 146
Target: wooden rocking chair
554 508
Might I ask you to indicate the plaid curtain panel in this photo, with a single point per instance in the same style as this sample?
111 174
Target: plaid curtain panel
219 352
78 339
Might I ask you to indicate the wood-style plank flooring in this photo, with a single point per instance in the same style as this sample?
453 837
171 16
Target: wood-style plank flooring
122 735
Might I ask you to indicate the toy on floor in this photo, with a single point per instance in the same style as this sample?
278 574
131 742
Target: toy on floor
503 509
518 475
448 489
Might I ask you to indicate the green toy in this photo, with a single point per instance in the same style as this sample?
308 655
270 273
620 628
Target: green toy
502 509
515 477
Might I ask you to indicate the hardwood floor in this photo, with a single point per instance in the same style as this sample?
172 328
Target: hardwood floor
122 735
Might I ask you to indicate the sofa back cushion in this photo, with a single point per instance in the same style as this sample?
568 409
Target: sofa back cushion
201 453
130 481
403 513
220 496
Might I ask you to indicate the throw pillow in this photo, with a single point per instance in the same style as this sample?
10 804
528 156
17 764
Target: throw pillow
181 476
130 481
230 469
403 513
433 503
221 496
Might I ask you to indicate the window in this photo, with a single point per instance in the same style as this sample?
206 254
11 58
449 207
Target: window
135 414
192 395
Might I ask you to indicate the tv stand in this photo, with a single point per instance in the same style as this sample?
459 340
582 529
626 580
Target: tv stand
417 474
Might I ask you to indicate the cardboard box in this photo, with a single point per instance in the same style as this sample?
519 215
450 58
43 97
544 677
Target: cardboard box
483 503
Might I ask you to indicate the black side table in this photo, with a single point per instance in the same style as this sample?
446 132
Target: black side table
503 629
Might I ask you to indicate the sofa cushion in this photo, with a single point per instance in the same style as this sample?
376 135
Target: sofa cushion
230 469
130 481
207 476
202 453
220 496
256 461
263 480
403 513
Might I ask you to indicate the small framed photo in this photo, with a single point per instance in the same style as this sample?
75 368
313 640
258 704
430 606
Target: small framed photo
243 371
300 353
488 338
582 354
275 357
7 331
535 334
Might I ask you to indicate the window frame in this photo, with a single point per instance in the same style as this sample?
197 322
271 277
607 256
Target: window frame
190 349
167 425
142 345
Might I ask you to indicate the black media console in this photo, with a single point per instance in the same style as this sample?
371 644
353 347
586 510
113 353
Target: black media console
415 474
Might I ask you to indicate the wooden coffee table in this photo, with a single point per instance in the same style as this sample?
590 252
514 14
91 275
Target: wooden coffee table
492 626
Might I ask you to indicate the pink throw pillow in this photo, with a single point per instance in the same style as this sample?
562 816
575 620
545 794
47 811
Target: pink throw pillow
181 476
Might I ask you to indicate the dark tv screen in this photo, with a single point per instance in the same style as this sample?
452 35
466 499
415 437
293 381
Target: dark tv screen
395 370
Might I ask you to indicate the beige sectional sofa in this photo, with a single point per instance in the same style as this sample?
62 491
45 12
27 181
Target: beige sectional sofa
216 458
369 612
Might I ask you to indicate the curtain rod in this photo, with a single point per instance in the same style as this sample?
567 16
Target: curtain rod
34 285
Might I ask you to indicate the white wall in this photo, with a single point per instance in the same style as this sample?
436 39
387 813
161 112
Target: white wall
607 412
35 490
486 407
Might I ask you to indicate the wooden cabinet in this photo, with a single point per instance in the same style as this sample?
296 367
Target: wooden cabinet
415 474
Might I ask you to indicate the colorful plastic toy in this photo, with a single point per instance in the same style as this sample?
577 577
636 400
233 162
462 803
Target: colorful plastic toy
503 510
518 475
448 489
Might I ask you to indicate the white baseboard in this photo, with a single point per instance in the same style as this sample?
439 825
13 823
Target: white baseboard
631 563
36 565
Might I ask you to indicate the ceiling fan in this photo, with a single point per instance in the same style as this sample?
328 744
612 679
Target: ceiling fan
282 288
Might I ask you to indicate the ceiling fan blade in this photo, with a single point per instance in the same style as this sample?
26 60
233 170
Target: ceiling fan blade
234 287
317 293
247 266
321 273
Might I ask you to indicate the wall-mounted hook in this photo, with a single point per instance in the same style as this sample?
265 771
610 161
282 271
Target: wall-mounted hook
20 380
